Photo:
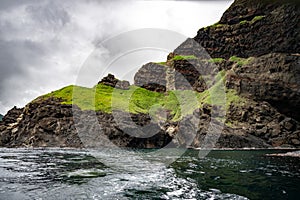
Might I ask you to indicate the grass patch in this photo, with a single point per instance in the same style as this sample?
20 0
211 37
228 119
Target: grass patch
181 57
215 25
257 18
216 60
240 61
106 98
178 103
244 22
161 63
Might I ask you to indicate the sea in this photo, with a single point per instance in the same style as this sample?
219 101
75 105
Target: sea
56 173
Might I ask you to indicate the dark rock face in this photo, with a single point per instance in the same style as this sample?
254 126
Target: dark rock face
110 80
268 31
194 74
191 47
177 74
261 120
12 115
277 30
43 123
152 76
48 123
274 78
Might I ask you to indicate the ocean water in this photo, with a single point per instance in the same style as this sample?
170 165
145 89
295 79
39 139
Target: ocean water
142 174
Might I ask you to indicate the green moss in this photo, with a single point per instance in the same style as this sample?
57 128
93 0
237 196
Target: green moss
104 98
161 63
216 60
257 18
244 22
184 57
138 100
219 95
215 25
240 61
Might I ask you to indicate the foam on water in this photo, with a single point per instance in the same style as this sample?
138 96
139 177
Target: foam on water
117 174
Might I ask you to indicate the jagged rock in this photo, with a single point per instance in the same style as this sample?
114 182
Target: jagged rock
12 115
68 126
274 78
269 81
191 74
110 80
239 33
152 76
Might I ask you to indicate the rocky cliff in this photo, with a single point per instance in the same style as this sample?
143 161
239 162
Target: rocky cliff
256 43
254 48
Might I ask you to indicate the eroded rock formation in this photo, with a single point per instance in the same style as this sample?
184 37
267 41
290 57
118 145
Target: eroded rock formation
255 45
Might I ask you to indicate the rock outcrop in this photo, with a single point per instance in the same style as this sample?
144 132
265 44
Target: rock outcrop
273 77
253 28
49 123
255 46
152 76
256 43
110 80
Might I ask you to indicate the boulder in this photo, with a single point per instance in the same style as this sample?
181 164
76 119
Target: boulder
110 80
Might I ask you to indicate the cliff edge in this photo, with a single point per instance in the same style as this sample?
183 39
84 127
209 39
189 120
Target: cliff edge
253 51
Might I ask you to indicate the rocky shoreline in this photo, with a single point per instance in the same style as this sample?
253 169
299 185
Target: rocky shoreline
264 73
48 123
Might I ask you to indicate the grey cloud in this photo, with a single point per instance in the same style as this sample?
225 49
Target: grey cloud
15 59
49 15
8 4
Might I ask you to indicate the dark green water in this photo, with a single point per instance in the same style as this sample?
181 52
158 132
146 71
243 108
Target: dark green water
110 174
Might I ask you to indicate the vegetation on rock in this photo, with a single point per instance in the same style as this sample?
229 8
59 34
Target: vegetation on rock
184 57
215 25
240 61
216 60
161 63
178 103
255 19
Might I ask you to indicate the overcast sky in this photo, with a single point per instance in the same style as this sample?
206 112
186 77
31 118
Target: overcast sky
45 43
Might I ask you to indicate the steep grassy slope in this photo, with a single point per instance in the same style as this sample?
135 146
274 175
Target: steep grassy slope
177 103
